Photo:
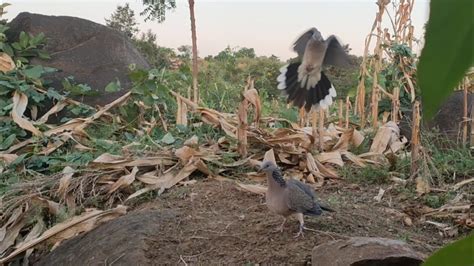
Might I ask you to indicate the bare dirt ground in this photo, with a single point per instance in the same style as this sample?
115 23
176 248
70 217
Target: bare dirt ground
218 223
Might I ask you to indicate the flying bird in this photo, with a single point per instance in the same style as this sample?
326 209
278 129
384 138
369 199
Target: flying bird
303 82
289 197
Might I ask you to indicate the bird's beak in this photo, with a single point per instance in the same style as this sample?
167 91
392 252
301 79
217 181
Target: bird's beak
259 169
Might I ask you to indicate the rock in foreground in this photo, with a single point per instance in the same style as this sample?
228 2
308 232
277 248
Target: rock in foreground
365 251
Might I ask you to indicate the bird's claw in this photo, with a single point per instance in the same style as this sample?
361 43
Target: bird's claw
300 232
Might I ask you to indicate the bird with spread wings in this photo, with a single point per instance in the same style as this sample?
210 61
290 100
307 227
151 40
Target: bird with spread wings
304 82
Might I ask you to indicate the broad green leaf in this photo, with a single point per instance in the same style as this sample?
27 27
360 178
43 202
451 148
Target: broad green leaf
18 160
34 72
448 51
113 86
8 49
43 55
53 94
7 142
36 96
168 139
16 45
459 253
23 39
138 75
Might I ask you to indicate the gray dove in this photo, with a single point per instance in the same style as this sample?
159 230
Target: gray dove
288 197
303 82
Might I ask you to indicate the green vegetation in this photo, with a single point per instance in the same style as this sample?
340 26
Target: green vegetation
457 253
447 53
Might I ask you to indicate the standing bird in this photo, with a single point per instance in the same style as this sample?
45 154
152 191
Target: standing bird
304 82
290 197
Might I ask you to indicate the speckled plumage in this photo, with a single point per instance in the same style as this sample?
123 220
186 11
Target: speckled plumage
289 197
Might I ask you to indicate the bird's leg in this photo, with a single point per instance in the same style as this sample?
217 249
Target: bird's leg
301 220
280 228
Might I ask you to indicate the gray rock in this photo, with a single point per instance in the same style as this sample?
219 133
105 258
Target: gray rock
447 120
94 54
449 116
121 241
365 251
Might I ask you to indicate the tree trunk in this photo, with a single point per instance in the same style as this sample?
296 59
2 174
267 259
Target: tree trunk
195 56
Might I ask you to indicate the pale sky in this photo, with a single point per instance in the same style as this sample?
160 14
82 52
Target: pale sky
270 27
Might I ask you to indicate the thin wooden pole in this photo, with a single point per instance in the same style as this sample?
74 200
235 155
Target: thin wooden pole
301 116
348 103
195 51
395 104
465 118
314 125
340 110
415 140
321 128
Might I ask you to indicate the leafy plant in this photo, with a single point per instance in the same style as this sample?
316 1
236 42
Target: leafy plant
458 253
447 53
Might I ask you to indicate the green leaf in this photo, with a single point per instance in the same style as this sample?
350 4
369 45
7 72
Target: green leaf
447 53
113 86
53 94
43 55
138 75
6 143
36 96
34 72
23 39
459 253
7 49
168 139
18 160
4 83
16 45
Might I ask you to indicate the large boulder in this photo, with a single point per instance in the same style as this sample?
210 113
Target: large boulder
122 241
94 54
448 118
365 251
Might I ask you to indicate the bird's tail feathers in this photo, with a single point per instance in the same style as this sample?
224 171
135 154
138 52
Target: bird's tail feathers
326 208
318 96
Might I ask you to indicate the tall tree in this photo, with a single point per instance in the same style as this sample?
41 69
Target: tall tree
156 9
123 20
195 56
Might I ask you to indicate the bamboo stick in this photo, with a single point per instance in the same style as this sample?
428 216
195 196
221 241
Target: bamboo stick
301 117
347 111
314 125
395 104
465 118
340 110
321 128
415 139
243 124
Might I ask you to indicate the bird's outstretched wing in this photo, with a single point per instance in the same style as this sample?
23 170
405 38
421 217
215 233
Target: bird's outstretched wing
335 54
300 44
